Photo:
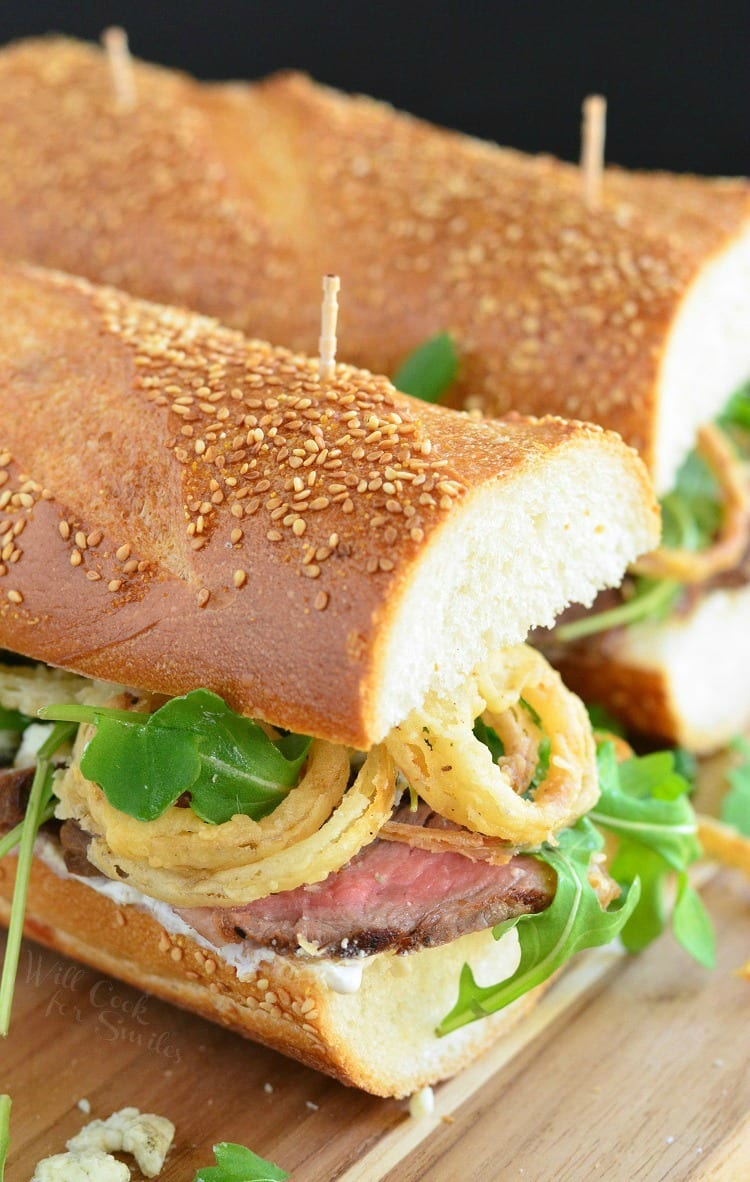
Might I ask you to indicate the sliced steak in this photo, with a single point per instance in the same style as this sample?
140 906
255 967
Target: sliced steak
391 897
15 786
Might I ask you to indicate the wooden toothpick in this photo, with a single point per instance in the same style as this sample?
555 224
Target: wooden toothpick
328 316
115 42
593 131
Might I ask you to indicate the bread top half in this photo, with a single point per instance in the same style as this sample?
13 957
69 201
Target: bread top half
181 506
234 199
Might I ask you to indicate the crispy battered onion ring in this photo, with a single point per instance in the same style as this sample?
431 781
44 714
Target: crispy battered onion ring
184 861
454 772
694 566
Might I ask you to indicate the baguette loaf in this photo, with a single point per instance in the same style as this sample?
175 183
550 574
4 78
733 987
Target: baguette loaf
234 199
180 505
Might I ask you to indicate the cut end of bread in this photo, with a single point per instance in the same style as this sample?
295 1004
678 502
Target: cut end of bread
513 558
707 356
704 661
685 680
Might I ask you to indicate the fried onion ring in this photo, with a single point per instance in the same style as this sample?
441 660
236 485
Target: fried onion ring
454 772
180 838
733 538
301 842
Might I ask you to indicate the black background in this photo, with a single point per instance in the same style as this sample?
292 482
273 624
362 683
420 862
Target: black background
677 75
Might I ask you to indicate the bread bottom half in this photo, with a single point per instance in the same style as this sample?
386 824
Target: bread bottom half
380 1038
684 680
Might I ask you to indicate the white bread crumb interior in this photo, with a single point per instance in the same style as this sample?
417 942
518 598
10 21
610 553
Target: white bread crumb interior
707 356
704 660
518 553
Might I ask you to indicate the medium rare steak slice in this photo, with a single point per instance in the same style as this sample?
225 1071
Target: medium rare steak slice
390 897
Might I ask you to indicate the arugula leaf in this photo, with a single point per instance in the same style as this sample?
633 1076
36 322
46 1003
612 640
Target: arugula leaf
692 925
735 807
429 370
692 512
491 739
13 720
602 720
4 1132
235 1163
489 736
195 744
736 413
39 801
574 920
652 599
644 802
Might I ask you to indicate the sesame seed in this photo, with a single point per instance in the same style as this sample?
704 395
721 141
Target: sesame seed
94 538
81 540
93 576
114 585
321 601
311 570
203 597
123 553
76 558
235 536
15 597
239 578
299 527
130 566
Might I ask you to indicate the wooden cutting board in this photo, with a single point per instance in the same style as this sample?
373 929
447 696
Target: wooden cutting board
628 1071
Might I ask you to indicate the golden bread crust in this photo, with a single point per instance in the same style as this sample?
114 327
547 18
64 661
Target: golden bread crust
234 199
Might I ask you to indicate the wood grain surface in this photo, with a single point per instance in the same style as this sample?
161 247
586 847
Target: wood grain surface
629 1071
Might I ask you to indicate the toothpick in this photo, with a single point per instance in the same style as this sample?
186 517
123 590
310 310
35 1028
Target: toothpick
115 42
593 132
328 316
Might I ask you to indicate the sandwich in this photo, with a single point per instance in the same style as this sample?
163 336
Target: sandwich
233 199
290 763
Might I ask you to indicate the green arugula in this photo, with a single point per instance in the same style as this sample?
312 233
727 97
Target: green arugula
430 370
37 809
602 720
13 720
144 762
735 807
4 1132
644 802
652 599
489 736
234 1163
691 517
574 920
491 739
692 512
736 413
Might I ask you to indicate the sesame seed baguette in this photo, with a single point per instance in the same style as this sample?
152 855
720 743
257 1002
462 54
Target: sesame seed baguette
234 199
380 1038
182 506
